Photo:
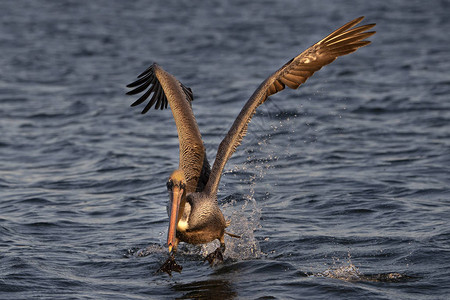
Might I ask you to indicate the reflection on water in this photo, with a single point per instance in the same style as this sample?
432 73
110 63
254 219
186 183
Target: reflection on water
206 289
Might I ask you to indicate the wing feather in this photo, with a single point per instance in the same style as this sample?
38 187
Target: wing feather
149 78
145 96
165 89
295 72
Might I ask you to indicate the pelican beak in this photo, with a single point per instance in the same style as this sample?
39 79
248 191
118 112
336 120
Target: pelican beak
175 199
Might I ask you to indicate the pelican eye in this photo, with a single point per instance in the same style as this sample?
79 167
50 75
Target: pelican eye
182 186
169 185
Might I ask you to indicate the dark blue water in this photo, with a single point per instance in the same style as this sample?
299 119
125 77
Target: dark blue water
340 189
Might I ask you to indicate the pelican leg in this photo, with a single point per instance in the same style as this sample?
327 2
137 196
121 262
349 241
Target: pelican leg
170 264
218 254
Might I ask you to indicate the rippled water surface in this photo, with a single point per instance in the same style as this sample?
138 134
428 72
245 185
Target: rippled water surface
340 189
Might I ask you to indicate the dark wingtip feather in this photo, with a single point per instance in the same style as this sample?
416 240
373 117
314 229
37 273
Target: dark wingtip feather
149 81
141 80
142 98
134 92
147 70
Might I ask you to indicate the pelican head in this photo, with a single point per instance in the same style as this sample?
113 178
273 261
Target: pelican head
176 186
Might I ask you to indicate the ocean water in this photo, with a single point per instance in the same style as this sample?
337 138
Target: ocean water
340 190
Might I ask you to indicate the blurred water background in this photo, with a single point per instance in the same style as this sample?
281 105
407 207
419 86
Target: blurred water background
340 189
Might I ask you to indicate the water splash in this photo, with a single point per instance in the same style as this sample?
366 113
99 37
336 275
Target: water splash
344 271
244 221
347 271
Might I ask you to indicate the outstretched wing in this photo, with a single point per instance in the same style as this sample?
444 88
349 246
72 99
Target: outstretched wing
166 90
342 41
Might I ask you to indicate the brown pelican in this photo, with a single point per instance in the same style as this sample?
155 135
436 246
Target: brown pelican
194 213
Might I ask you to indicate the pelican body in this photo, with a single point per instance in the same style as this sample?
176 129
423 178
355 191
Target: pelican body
194 213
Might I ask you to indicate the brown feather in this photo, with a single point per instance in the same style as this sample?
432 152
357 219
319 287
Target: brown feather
168 90
296 71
